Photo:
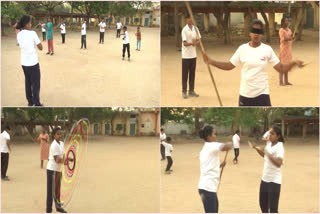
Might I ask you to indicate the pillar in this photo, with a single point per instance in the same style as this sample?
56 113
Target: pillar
271 23
182 21
206 22
282 127
246 17
304 130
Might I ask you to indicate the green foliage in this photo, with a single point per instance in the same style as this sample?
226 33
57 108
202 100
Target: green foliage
12 10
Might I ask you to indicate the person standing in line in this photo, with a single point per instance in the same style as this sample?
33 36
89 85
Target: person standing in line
63 32
236 145
5 150
102 26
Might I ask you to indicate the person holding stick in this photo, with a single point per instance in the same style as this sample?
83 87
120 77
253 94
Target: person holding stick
270 186
190 39
254 55
210 169
286 39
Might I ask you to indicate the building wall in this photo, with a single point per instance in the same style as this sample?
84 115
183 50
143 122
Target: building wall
147 123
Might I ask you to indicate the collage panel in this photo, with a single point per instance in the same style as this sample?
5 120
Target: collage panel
80 160
80 53
272 49
227 160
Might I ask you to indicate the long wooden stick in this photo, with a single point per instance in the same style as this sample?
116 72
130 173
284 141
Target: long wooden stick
203 51
225 158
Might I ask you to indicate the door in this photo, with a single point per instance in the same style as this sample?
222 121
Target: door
310 14
107 129
146 22
127 21
96 129
132 129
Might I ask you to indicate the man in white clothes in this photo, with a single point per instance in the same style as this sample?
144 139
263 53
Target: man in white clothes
119 26
190 39
126 43
5 149
163 138
236 145
102 26
63 32
43 30
84 34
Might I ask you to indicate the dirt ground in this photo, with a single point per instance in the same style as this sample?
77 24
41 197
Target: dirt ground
93 77
303 92
120 174
239 189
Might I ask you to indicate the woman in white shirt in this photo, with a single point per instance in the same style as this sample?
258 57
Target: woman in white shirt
56 158
236 145
28 41
270 185
210 169
254 87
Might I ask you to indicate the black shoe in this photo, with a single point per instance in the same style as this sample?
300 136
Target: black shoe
39 105
184 95
193 94
61 210
5 178
51 54
30 104
48 53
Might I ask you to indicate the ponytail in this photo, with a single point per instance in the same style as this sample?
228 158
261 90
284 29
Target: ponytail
205 132
23 22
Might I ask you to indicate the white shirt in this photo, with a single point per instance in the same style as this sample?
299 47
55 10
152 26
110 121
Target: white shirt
102 26
189 35
4 137
83 31
163 137
236 141
125 38
254 75
266 135
43 29
63 30
210 166
272 173
55 149
168 148
119 25
28 40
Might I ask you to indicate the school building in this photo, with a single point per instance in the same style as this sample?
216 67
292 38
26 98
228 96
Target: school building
135 123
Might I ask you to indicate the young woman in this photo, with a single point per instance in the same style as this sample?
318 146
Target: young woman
56 158
210 169
270 186
28 41
49 27
43 139
285 56
254 55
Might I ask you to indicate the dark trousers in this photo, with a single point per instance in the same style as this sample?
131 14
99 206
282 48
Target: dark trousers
169 164
261 100
269 197
84 41
210 201
63 35
44 36
53 184
101 37
126 46
32 83
236 154
4 164
162 151
118 33
188 69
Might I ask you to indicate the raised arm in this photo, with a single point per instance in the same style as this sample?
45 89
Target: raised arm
259 150
288 67
221 65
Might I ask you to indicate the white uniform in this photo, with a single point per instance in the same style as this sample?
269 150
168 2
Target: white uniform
272 173
168 148
236 141
28 40
4 137
56 149
189 35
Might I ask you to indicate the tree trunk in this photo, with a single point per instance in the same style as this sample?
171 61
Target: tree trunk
176 28
235 121
299 22
226 29
197 114
267 28
218 15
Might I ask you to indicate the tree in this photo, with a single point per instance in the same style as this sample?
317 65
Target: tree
12 11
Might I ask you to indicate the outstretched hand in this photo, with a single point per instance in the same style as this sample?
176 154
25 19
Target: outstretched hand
205 58
300 63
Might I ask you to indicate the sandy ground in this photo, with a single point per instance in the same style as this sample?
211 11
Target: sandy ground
239 189
93 77
304 92
121 174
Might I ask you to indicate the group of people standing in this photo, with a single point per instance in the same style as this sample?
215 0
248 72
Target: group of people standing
254 56
29 42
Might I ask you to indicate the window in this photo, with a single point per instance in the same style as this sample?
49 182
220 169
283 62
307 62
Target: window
132 116
119 127
142 125
136 20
